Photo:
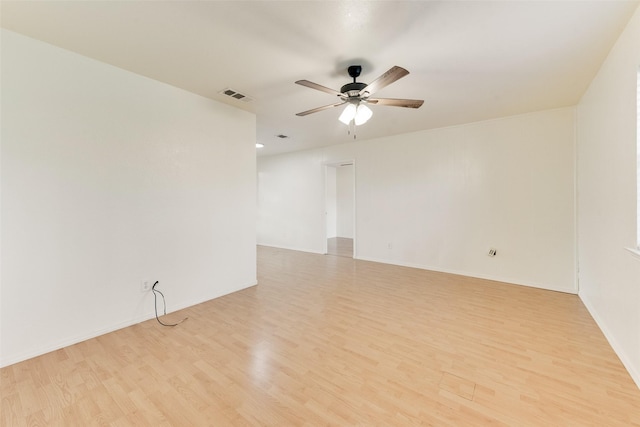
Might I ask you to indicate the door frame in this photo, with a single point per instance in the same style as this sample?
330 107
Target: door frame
326 166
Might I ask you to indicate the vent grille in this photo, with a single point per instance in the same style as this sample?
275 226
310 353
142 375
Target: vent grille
232 93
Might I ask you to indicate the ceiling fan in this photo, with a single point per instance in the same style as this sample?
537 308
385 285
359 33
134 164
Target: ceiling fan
356 95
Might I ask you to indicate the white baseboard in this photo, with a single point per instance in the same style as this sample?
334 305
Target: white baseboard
291 248
627 361
116 326
73 340
475 275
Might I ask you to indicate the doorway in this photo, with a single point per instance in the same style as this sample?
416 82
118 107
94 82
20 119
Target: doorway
340 209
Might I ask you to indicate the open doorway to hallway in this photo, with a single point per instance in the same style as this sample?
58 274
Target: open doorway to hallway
340 209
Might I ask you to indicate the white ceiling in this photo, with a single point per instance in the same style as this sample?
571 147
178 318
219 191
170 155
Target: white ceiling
469 61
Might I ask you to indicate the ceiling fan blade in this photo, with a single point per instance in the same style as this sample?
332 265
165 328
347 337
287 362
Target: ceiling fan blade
316 86
315 110
406 103
393 74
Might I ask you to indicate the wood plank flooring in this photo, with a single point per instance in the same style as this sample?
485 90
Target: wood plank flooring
325 340
340 246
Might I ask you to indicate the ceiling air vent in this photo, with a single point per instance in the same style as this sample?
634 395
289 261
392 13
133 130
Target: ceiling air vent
232 93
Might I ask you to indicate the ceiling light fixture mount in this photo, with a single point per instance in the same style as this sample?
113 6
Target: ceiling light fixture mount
354 88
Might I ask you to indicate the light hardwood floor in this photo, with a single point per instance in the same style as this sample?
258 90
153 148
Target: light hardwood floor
325 340
340 246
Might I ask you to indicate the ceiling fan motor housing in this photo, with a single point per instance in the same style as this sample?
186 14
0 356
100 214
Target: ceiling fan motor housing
352 89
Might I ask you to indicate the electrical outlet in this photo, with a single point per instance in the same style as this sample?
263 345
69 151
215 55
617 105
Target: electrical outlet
492 251
145 286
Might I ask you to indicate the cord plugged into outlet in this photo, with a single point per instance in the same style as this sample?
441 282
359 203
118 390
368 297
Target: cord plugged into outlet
164 303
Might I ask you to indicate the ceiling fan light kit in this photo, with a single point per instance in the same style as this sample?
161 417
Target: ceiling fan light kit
357 94
348 114
358 112
363 113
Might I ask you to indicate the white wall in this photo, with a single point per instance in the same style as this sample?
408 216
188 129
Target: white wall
609 275
331 202
291 200
109 178
439 199
344 200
